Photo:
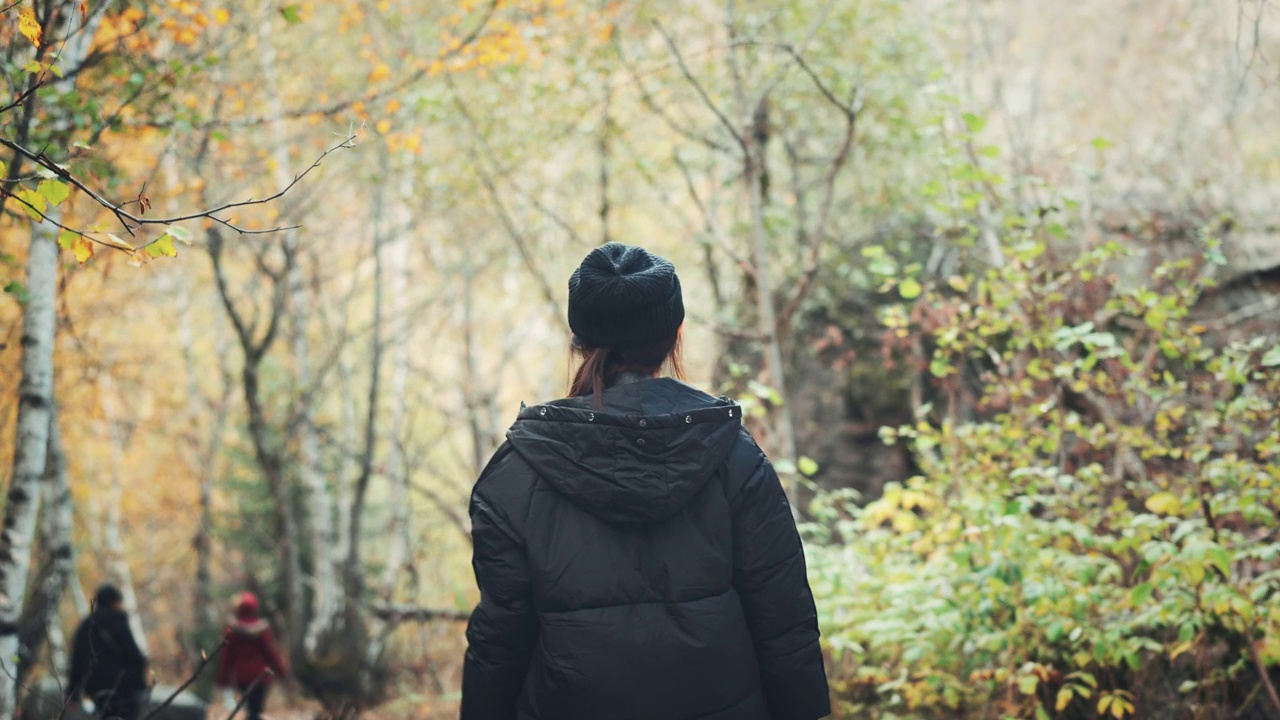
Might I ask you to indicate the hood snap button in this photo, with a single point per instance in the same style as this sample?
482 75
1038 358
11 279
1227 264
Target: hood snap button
640 442
543 411
688 419
591 417
731 413
643 422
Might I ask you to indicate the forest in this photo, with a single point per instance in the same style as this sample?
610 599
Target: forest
997 283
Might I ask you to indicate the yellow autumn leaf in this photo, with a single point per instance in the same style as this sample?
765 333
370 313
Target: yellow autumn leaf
1064 699
82 248
383 127
379 73
29 26
163 246
221 16
392 106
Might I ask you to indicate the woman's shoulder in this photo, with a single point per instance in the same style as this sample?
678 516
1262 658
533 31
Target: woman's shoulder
746 461
505 479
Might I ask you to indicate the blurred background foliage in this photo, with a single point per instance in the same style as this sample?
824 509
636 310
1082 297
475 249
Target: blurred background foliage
999 282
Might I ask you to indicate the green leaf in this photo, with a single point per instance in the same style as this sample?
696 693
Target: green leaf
180 234
17 290
1141 594
1272 358
784 467
66 239
990 151
909 289
54 191
883 266
975 123
163 246
1027 684
1101 143
291 14
807 465
1164 503
1219 558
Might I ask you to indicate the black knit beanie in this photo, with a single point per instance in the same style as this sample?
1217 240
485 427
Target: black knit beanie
622 297
106 597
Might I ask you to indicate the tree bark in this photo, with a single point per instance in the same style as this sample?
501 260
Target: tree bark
41 619
31 447
397 467
353 578
35 390
753 175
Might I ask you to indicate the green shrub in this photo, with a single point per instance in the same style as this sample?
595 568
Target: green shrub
1094 529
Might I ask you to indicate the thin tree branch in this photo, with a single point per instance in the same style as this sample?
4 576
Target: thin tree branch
126 218
204 662
702 93
395 614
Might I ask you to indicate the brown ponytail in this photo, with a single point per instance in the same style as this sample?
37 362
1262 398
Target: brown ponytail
600 365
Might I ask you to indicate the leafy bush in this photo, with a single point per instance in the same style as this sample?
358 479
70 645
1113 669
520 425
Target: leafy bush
1093 532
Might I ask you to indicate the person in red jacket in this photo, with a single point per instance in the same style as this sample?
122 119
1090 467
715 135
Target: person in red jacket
250 661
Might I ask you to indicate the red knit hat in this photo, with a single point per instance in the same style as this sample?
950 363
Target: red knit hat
246 606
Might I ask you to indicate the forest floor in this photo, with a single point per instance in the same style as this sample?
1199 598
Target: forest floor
428 709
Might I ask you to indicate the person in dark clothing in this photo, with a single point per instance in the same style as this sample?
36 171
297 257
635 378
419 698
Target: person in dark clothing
250 661
636 555
107 667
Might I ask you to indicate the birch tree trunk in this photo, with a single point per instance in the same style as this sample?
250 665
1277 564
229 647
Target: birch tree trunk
353 570
325 590
117 564
31 446
35 390
41 619
397 256
397 467
57 541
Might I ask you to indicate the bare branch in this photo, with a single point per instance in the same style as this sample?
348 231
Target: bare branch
508 223
702 93
131 221
712 226
204 662
393 613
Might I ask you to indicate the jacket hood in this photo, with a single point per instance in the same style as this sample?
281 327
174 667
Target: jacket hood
640 458
248 627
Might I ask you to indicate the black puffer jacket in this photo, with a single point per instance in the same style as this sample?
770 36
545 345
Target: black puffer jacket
105 660
638 562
